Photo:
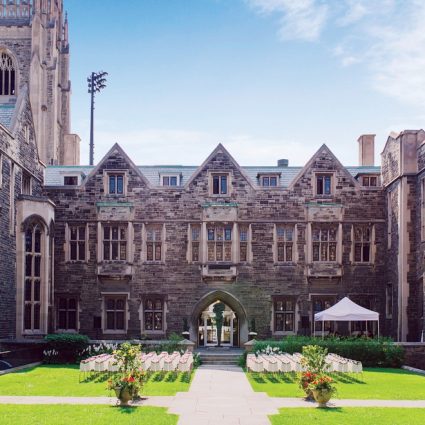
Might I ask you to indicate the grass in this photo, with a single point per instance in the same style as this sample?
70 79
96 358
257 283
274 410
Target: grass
63 380
87 415
350 416
382 384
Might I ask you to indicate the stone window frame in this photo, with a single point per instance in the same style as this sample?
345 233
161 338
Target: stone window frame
332 299
261 177
194 242
248 243
369 177
58 309
294 312
115 295
13 72
35 223
325 226
118 172
371 242
170 175
234 237
145 242
130 238
286 243
68 226
212 174
333 183
71 174
26 183
142 311
110 241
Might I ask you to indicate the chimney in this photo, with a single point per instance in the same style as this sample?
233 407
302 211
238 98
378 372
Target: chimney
282 162
366 150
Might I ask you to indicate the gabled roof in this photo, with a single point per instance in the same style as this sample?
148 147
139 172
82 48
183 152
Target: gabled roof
220 149
115 148
313 158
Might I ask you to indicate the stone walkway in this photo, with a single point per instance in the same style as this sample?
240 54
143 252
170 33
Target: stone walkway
218 395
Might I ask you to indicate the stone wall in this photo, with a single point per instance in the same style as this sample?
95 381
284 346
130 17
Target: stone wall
181 282
22 153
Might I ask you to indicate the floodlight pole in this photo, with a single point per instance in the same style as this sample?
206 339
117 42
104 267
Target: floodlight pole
97 82
91 91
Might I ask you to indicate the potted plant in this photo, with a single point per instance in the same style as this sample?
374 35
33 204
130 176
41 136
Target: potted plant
128 381
322 388
314 364
126 387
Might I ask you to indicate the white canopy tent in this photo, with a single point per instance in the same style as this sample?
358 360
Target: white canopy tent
346 311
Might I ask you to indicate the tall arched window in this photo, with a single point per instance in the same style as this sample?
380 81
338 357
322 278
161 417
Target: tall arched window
33 278
7 75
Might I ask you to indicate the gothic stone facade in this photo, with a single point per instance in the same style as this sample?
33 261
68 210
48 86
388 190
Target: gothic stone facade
275 254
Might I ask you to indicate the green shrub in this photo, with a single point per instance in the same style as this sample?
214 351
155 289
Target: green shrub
68 346
380 352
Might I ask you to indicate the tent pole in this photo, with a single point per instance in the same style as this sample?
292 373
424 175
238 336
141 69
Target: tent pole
349 326
378 328
323 329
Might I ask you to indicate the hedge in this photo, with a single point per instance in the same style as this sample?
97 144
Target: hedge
380 352
68 346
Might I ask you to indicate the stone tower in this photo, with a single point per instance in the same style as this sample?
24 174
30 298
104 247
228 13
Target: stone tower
34 34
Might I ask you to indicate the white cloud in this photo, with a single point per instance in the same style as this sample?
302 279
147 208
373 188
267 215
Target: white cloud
158 146
300 19
385 37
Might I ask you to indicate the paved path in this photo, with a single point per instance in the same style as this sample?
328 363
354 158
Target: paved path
218 395
222 395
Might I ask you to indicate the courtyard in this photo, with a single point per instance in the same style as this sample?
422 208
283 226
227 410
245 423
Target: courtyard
210 394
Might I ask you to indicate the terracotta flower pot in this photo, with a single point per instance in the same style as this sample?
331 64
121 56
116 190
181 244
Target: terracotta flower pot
322 397
124 395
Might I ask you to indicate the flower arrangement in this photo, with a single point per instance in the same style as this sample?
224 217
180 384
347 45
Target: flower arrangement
322 383
129 380
132 383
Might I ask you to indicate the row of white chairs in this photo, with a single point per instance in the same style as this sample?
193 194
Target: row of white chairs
152 361
285 363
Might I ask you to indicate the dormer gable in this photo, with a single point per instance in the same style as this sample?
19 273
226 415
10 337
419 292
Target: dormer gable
116 173
221 174
324 175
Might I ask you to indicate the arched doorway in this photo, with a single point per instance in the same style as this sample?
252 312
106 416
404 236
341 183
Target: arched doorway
235 326
207 330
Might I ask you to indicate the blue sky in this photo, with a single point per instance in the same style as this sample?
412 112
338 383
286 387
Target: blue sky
268 78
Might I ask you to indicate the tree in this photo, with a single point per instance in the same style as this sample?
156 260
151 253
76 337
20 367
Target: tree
219 318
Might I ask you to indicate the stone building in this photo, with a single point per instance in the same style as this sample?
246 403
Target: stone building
34 127
121 251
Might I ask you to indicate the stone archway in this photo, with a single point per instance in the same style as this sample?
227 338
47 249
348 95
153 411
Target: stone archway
227 299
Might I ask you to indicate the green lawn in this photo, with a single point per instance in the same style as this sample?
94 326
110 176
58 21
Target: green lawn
87 415
350 416
383 384
63 380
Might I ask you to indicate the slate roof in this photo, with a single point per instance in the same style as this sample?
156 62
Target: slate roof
54 173
6 114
